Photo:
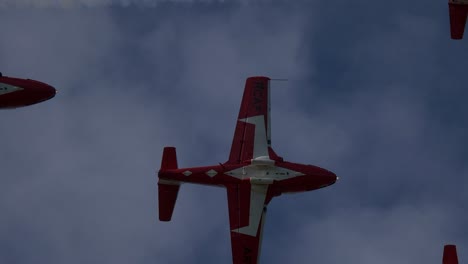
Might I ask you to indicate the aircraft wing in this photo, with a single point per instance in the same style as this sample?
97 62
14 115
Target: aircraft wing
252 136
458 11
247 209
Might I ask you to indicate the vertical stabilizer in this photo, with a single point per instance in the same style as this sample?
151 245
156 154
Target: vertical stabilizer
450 255
458 13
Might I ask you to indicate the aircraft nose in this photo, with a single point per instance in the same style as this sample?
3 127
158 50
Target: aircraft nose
50 91
46 92
326 177
331 177
40 92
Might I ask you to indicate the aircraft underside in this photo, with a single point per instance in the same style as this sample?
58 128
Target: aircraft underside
252 176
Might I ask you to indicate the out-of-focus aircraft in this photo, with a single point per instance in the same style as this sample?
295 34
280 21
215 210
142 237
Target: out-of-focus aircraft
16 92
252 176
458 11
450 255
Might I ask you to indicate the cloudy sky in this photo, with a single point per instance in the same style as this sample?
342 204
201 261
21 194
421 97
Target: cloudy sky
377 93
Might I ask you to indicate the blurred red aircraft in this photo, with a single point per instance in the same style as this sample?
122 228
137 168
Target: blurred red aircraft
458 11
15 92
450 255
252 176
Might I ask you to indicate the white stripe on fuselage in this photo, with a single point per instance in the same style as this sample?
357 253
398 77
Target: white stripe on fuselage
7 88
263 172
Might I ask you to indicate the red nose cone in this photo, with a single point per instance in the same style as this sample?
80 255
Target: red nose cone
47 92
330 177
325 175
38 92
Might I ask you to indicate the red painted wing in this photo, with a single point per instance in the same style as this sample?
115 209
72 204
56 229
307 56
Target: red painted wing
458 14
450 255
249 140
247 209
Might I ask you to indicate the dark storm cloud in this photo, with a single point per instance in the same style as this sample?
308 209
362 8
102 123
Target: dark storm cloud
378 101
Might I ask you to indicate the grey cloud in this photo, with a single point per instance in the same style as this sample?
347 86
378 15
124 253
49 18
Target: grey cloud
78 179
403 234
79 184
67 4
67 46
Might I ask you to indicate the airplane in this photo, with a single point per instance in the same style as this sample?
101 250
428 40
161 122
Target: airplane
252 176
16 92
458 11
450 255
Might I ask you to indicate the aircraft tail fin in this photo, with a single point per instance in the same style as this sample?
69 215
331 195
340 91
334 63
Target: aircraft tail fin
167 189
458 15
450 255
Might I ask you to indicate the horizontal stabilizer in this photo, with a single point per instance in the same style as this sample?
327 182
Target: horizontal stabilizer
167 189
167 195
450 255
169 159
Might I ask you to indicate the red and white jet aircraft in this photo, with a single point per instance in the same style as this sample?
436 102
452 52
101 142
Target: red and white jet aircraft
15 92
458 11
252 176
450 255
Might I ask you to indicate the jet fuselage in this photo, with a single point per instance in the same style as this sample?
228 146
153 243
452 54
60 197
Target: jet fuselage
16 92
281 176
